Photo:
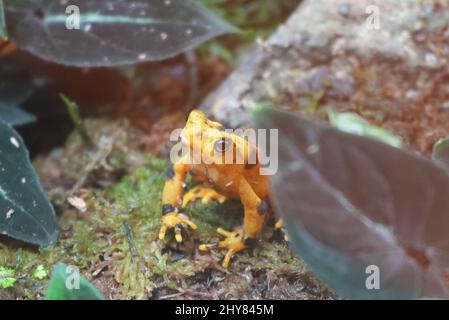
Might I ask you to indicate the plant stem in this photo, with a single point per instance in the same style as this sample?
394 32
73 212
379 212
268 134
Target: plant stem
74 114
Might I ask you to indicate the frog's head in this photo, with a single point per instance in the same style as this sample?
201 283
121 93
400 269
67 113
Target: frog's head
197 118
210 138
199 132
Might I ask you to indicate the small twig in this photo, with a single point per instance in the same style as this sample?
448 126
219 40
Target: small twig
193 77
174 295
106 145
196 293
129 238
74 114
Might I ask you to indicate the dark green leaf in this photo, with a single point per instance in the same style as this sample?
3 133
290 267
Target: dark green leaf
15 116
25 212
111 32
15 86
3 32
441 153
66 284
351 202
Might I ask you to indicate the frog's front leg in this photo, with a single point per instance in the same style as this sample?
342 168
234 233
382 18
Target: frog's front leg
255 210
280 226
204 193
172 196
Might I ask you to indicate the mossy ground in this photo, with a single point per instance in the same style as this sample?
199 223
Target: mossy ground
114 242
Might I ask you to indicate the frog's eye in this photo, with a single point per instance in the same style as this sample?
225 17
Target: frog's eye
222 145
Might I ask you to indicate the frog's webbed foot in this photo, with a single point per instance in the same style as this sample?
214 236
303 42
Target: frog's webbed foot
204 193
175 220
280 226
234 241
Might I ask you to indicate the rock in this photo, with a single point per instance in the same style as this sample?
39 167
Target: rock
382 59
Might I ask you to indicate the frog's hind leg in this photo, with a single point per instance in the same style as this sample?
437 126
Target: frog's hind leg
234 242
204 193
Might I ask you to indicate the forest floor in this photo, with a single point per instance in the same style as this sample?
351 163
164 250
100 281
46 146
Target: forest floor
113 240
111 232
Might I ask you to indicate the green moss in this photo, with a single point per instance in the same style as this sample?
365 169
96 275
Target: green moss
119 231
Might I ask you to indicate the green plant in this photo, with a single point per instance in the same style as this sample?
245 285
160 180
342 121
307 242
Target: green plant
255 19
353 204
7 277
15 88
3 32
441 152
67 284
102 34
40 273
353 123
109 33
73 110
15 116
26 213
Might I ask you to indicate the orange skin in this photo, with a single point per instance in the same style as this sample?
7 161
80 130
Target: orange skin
6 47
238 179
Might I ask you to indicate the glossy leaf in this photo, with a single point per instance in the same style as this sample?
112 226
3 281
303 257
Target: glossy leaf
16 86
3 32
353 123
25 212
111 32
66 284
15 116
352 204
441 153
